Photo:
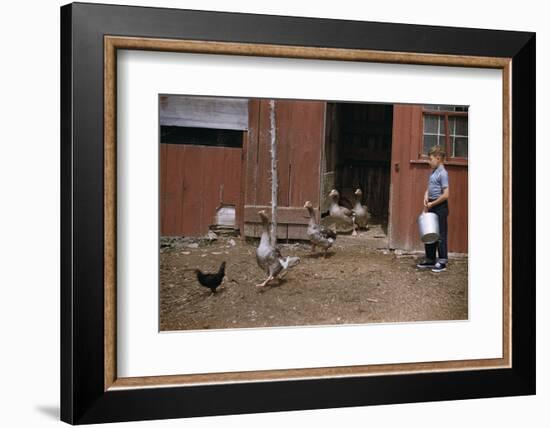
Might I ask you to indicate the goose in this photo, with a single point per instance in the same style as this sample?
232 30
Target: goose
337 210
360 212
269 258
320 236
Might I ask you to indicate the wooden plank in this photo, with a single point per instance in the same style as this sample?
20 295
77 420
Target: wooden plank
417 182
284 145
251 160
239 212
198 179
296 231
401 127
232 160
285 215
250 230
162 177
300 135
214 187
204 112
284 231
458 208
307 122
191 175
172 191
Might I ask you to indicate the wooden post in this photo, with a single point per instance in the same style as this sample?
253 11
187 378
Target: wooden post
274 177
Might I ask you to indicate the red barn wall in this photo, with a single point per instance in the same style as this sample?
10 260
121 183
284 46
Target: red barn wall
409 177
194 182
300 127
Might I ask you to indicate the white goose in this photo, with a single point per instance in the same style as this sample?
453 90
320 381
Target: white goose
269 258
360 212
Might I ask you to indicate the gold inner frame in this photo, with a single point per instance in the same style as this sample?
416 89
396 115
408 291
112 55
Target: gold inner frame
112 43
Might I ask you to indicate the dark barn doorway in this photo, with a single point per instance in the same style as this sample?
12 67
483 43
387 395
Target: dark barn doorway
358 155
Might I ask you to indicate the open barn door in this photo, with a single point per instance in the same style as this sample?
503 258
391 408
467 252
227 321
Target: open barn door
405 195
357 155
300 134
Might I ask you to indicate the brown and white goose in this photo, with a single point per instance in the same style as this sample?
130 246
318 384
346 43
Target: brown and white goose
320 236
269 258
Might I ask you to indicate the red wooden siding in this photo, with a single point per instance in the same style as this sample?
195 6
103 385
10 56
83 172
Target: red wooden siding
194 181
409 177
300 138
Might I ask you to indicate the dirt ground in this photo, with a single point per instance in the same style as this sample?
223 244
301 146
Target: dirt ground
355 285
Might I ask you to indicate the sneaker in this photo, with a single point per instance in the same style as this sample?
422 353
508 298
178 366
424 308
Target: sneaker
439 267
425 265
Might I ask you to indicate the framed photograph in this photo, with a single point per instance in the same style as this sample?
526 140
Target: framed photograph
266 213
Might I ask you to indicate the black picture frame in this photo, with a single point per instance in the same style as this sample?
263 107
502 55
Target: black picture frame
83 399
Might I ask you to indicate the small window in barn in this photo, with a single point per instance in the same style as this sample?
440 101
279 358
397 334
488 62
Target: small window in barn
458 130
446 126
201 136
445 108
434 131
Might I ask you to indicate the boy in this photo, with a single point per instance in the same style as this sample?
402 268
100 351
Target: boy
435 201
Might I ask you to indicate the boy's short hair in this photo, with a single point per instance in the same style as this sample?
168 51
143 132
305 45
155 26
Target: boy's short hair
437 151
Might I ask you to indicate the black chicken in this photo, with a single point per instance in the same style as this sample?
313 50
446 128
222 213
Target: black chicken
211 280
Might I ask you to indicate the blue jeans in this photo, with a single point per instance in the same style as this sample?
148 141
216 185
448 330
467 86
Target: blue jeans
442 211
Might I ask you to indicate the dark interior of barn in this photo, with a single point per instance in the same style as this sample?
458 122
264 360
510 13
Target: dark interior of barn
207 137
358 155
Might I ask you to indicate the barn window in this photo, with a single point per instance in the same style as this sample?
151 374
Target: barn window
446 126
434 131
202 121
201 136
458 130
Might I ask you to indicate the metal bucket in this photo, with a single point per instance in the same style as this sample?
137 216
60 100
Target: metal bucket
428 226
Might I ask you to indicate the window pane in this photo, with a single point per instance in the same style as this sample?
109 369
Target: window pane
452 124
441 125
430 124
444 107
460 147
461 125
434 132
431 107
429 142
434 124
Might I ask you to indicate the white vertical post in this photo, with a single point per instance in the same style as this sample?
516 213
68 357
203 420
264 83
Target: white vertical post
274 178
